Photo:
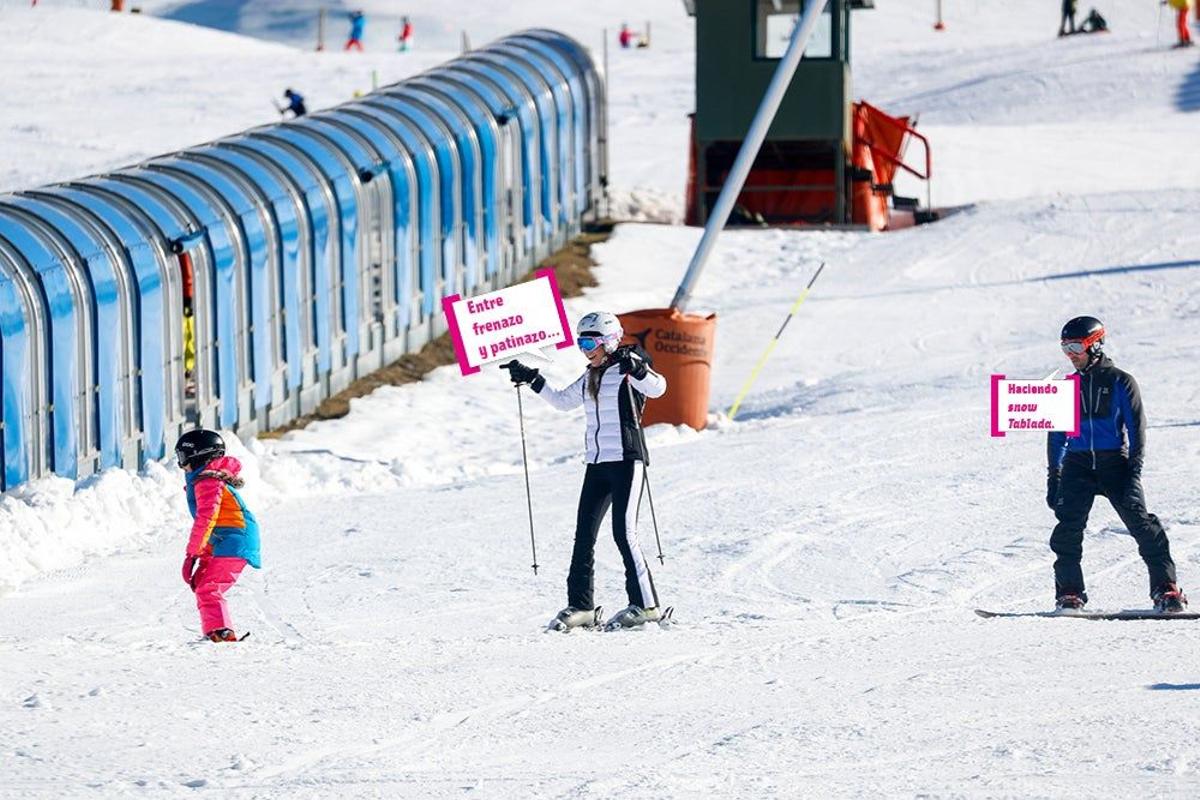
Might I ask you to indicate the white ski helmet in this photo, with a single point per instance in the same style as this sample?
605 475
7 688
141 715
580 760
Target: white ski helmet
604 326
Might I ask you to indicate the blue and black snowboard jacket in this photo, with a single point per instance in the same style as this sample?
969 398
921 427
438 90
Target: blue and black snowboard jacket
1110 408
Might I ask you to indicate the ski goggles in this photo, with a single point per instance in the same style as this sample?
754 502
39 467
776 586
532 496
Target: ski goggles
590 343
1078 347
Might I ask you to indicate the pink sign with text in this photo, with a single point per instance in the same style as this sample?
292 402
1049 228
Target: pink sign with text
501 325
1035 405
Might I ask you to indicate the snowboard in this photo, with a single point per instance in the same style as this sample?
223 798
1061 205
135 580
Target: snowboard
1124 614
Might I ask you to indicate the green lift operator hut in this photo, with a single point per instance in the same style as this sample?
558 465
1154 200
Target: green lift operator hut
807 168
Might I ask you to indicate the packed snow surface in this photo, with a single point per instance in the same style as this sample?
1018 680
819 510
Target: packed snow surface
824 551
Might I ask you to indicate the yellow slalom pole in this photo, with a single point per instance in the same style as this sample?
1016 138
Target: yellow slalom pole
771 347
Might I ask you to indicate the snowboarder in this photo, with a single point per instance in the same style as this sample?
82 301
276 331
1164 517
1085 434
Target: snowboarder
1068 17
406 35
357 23
1181 21
295 103
224 537
615 463
1102 461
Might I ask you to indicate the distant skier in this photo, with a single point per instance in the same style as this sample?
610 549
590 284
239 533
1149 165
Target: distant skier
1102 461
1181 21
295 103
224 536
406 35
625 37
615 463
1068 18
357 23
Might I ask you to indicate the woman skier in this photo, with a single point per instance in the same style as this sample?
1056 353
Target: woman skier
616 379
224 535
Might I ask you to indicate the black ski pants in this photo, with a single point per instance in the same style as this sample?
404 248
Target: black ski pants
1109 475
615 484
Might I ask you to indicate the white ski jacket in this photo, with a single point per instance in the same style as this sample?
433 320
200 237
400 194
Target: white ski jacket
612 430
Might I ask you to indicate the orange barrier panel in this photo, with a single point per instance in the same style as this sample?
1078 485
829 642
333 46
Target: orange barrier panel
681 346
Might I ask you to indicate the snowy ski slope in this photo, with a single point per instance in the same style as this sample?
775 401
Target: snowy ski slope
824 551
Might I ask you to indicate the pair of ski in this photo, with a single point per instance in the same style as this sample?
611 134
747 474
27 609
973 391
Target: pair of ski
594 620
1079 613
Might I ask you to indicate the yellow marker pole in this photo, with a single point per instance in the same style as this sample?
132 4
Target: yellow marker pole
771 347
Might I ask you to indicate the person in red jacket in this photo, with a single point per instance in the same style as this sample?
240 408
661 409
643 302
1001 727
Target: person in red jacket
406 34
224 537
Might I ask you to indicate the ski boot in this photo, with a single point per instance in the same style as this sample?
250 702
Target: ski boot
571 617
1169 599
221 635
1068 603
636 617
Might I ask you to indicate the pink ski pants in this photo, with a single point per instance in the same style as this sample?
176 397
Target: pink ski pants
212 579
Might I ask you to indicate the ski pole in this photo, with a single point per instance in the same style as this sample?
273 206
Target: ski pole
737 403
637 415
528 495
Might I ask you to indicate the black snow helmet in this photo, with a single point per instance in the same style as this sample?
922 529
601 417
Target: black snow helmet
198 447
1089 331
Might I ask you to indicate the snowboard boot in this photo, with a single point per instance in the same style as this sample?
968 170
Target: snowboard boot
571 617
633 617
221 635
1169 599
1070 602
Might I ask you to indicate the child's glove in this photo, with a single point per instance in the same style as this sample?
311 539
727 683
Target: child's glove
189 564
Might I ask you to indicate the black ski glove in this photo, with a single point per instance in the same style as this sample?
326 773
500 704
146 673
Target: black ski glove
1135 467
519 374
630 363
1053 478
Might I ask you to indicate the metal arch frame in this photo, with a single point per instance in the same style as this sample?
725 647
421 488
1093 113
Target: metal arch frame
347 205
319 335
375 246
283 403
215 215
107 423
400 272
41 449
158 295
264 371
597 91
24 452
554 208
565 106
284 207
161 208
449 191
581 122
495 215
537 189
460 133
423 156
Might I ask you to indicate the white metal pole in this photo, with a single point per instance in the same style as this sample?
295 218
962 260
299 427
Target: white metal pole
749 150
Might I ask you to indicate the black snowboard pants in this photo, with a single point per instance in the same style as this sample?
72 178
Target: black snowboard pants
1111 477
615 484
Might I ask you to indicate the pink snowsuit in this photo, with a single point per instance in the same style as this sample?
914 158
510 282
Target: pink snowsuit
224 538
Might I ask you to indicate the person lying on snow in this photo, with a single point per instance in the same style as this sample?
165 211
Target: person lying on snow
224 537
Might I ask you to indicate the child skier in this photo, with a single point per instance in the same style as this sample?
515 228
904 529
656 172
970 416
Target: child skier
616 378
357 23
224 534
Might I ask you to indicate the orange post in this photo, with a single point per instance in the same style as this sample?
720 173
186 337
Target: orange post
681 346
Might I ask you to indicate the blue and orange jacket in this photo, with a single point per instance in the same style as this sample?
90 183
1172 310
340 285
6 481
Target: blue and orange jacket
221 523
